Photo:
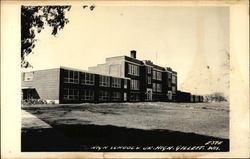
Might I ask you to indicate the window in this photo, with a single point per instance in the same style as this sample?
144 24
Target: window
154 87
149 70
169 76
149 80
87 95
104 81
133 70
70 94
71 76
169 80
88 79
134 85
134 96
116 96
103 95
125 96
154 74
28 76
159 88
125 83
174 89
159 77
169 83
174 79
116 82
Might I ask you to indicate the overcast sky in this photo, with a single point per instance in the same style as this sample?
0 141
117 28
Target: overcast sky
192 41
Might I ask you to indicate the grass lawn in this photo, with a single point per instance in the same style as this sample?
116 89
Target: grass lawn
134 123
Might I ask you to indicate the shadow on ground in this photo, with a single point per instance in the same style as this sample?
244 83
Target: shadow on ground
83 137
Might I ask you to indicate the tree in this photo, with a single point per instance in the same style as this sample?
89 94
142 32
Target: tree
33 20
215 97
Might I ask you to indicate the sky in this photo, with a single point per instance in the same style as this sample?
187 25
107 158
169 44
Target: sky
194 41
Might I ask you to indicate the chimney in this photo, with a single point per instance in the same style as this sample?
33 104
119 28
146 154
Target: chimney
133 54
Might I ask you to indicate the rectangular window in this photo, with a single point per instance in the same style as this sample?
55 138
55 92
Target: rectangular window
174 79
125 83
134 85
87 95
103 95
149 70
104 81
169 83
88 79
154 87
149 80
159 87
134 96
174 89
116 96
125 96
159 76
70 94
154 74
169 76
133 70
71 77
28 76
116 82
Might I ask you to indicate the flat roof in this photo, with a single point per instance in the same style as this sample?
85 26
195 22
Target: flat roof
74 69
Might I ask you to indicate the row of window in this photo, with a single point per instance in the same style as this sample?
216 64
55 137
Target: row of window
88 95
89 79
149 70
157 87
71 77
174 79
133 70
134 84
157 75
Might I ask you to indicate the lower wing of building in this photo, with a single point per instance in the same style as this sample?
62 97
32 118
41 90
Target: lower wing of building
65 85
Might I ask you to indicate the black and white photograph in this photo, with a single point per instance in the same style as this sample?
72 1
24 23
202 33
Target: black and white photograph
124 77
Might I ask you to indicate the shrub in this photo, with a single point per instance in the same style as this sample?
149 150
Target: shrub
33 101
215 97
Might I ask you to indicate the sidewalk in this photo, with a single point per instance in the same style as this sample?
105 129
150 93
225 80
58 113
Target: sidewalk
30 121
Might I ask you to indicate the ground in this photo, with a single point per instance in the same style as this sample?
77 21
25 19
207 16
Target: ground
80 126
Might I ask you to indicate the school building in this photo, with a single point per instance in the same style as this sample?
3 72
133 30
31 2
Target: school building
119 79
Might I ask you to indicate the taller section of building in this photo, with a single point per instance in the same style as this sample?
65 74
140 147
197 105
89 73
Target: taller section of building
148 82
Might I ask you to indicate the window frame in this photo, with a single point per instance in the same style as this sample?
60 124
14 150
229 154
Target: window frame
30 76
149 80
159 87
69 77
71 94
88 78
104 81
87 95
134 84
116 96
159 75
133 70
154 74
115 82
103 95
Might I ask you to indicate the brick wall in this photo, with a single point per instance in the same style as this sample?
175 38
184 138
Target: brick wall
46 83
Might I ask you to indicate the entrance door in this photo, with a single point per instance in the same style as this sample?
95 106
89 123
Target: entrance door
170 95
149 94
